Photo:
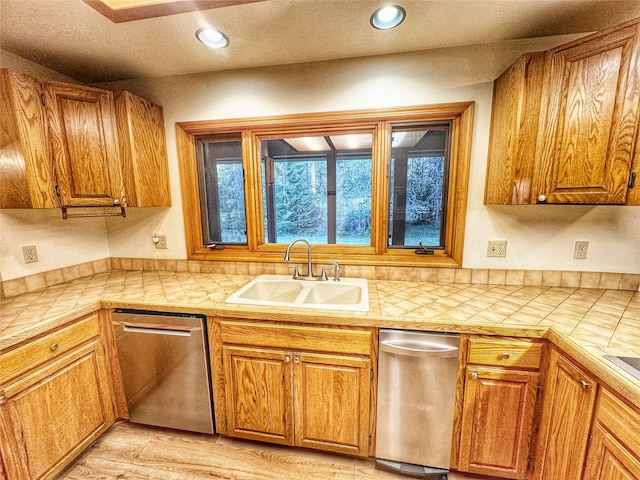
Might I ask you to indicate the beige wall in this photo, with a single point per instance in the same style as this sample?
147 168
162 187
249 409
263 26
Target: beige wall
539 237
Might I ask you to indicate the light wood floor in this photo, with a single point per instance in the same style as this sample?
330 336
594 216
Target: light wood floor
134 452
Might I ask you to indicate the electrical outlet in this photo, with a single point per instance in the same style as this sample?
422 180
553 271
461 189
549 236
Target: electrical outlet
497 248
161 242
30 254
580 250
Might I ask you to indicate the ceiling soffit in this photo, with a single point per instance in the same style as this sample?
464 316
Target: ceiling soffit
128 10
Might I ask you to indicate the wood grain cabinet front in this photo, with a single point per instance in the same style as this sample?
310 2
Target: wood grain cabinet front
567 411
84 145
614 448
68 145
294 385
499 404
143 151
27 176
49 414
565 121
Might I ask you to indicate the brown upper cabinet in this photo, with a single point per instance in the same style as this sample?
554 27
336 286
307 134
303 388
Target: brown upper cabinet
564 123
27 178
143 151
84 145
68 145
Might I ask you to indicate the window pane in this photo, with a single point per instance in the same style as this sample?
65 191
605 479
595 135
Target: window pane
418 186
318 188
223 204
301 199
353 200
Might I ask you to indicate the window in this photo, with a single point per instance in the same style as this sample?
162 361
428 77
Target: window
418 185
318 188
221 190
366 187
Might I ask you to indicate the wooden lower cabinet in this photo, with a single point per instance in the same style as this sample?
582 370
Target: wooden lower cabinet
293 396
51 413
259 394
499 405
497 421
569 400
614 449
331 402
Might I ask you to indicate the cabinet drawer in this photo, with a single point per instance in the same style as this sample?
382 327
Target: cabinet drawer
296 337
505 352
37 352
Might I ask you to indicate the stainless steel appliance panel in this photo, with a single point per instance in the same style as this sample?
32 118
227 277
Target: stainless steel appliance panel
417 374
165 368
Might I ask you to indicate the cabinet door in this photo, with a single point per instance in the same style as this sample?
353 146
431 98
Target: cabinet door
26 172
143 150
83 135
51 415
514 128
608 459
332 402
614 449
589 119
258 387
497 421
567 412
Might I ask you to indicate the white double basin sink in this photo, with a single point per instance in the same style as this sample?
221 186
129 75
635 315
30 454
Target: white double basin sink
350 294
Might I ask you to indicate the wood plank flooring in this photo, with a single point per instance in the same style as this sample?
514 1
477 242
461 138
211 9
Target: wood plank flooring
135 452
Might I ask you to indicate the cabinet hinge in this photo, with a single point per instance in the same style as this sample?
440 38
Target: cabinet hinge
57 190
371 374
369 439
42 99
538 390
632 180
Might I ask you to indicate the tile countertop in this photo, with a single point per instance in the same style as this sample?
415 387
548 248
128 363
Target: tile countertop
586 323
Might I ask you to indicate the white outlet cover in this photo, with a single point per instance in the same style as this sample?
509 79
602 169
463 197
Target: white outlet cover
580 250
30 254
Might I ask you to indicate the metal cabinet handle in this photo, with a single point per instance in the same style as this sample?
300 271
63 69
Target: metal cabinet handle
419 349
3 399
474 375
287 359
542 198
296 359
54 347
506 356
584 384
116 201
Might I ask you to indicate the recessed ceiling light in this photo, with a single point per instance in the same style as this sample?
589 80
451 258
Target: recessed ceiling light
388 17
212 38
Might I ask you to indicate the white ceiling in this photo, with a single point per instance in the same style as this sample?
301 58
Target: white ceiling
72 38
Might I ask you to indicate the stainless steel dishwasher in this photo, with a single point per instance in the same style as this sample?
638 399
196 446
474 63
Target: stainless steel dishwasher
417 374
165 368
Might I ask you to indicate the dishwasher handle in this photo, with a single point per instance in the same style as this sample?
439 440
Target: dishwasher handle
417 349
157 331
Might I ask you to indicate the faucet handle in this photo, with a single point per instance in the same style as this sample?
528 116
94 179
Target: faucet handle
323 275
296 273
336 270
